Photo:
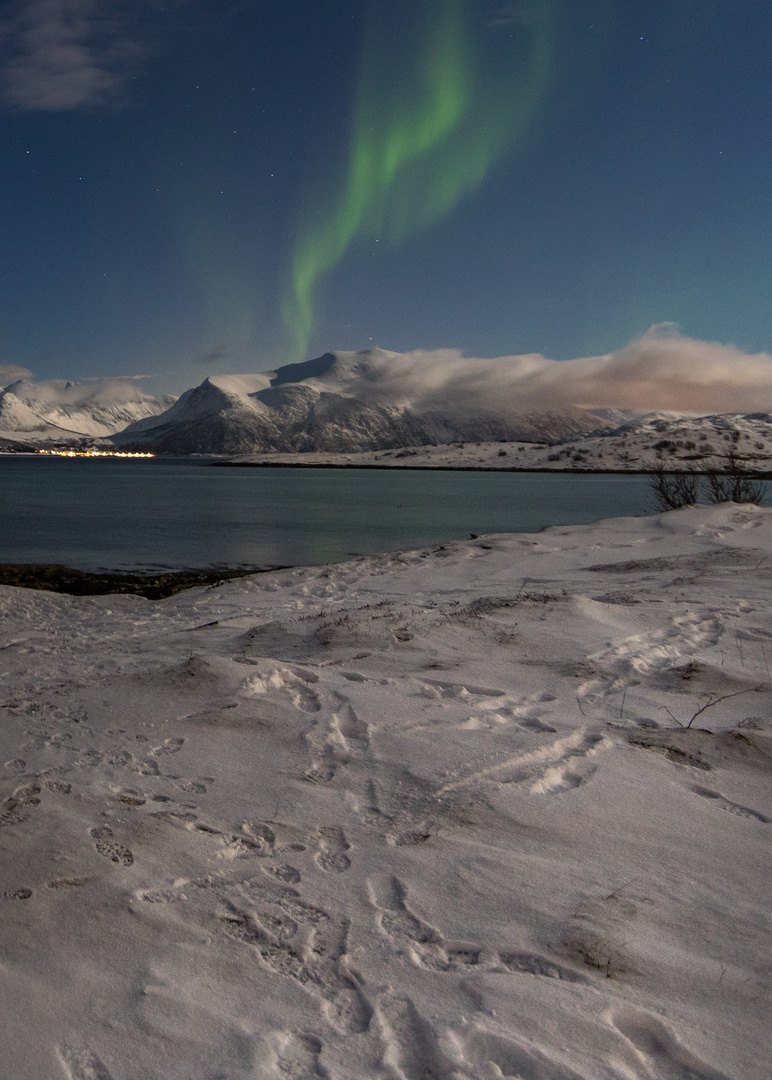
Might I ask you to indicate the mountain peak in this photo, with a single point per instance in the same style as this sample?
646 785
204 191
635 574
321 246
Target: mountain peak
306 369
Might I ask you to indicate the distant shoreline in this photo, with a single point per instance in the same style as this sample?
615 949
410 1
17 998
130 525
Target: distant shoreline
58 578
456 468
225 463
426 468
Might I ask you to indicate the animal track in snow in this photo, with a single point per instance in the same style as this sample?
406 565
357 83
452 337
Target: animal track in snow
564 777
295 684
423 942
82 1064
406 929
654 655
523 712
107 847
16 894
253 838
725 804
333 846
535 723
558 766
353 730
345 737
438 690
656 1043
66 883
533 964
428 949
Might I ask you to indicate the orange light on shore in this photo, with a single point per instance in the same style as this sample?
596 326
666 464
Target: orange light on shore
93 453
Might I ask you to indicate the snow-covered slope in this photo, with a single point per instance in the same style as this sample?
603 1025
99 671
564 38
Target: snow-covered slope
657 439
697 443
61 408
16 415
347 401
430 815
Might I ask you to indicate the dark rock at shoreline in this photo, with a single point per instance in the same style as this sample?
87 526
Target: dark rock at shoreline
54 577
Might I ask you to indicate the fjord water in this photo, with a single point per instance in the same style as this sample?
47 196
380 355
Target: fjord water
147 515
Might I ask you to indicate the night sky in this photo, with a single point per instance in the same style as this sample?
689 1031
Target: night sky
200 187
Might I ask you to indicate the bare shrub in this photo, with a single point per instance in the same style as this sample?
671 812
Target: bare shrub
731 482
672 491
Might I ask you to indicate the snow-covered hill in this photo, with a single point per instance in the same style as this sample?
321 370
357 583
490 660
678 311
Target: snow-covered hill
699 443
61 409
356 401
689 442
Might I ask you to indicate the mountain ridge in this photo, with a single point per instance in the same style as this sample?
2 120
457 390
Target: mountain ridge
58 408
347 402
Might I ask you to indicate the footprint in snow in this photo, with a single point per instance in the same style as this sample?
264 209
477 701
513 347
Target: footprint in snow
298 1056
20 805
656 1043
333 846
726 804
82 1064
168 746
108 848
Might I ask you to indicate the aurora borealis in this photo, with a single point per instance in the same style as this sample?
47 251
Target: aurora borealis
429 119
192 188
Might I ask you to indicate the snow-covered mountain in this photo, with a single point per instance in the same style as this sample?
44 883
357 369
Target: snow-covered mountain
351 401
664 439
60 409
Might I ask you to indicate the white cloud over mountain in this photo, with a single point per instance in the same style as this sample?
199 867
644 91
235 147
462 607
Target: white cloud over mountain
660 370
348 401
667 371
11 373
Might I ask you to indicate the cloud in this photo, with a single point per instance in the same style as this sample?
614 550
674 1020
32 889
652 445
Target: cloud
215 358
659 371
58 55
114 378
11 373
663 370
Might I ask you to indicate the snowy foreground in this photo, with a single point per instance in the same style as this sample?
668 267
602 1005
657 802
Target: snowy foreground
426 815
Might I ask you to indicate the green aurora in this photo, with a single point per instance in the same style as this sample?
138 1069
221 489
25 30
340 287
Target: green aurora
445 89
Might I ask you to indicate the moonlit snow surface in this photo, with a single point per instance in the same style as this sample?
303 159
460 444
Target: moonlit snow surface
436 814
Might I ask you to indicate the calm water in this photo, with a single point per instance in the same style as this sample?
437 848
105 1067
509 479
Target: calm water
144 515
